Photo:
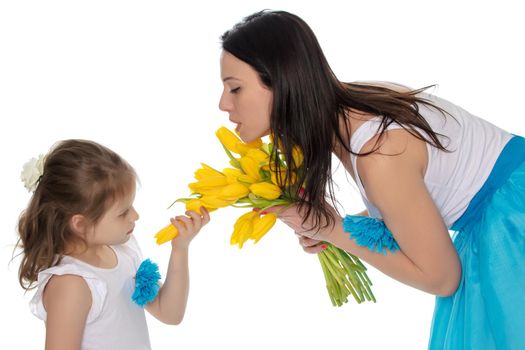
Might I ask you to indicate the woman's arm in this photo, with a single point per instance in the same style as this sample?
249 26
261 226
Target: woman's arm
67 301
170 304
314 246
393 180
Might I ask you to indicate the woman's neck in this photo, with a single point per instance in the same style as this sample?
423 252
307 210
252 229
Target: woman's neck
348 124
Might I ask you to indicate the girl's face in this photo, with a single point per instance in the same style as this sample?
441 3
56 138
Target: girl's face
246 99
117 224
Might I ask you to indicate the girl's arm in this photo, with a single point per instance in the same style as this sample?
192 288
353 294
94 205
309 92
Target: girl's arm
393 180
170 304
67 301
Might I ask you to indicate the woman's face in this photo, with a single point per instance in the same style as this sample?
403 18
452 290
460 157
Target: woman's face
246 99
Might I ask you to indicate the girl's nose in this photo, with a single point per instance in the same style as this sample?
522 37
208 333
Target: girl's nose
135 216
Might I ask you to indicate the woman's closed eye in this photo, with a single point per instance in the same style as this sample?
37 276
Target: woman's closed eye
235 90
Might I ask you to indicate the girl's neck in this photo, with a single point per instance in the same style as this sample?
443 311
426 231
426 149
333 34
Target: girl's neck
101 256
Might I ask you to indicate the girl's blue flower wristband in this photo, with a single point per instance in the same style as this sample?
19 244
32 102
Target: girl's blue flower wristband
146 283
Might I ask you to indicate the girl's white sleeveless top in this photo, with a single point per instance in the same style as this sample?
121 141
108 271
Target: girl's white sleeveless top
452 178
114 321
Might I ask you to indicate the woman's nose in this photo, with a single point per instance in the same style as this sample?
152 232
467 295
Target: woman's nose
224 103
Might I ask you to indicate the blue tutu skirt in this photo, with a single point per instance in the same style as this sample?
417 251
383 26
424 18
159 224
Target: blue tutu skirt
488 309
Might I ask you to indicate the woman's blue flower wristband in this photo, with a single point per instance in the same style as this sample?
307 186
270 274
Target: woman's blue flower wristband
370 232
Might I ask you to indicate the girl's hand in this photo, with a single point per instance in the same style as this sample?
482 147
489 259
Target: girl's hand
188 227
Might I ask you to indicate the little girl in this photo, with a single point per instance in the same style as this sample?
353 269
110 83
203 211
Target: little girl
78 247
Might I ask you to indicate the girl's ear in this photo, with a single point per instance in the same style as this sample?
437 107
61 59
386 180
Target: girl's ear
78 224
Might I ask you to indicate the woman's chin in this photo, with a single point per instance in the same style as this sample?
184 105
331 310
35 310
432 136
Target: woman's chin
250 138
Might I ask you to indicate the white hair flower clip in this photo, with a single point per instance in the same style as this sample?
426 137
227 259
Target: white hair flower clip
32 171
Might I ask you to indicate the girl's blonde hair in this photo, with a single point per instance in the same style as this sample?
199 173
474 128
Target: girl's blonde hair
79 177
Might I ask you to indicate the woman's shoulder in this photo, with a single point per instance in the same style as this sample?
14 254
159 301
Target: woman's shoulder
392 152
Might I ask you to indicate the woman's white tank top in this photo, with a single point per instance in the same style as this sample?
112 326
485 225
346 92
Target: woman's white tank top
452 178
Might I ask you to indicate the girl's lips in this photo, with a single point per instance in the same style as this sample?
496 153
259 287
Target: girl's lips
130 231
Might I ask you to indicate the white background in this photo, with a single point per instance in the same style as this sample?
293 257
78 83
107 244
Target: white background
143 79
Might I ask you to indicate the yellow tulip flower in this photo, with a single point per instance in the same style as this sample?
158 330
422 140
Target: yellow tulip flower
251 167
243 228
215 202
234 191
247 179
266 190
258 155
297 156
281 180
232 175
207 172
214 192
208 183
246 147
235 163
228 139
196 205
166 234
255 144
262 225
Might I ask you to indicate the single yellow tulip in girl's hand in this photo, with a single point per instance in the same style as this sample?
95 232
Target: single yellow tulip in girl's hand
255 183
166 234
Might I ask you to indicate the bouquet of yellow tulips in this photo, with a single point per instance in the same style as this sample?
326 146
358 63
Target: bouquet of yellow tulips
251 182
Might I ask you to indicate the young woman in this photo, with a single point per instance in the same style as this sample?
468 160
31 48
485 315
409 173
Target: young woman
423 165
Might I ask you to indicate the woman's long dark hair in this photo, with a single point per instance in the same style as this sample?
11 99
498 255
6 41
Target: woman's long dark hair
309 102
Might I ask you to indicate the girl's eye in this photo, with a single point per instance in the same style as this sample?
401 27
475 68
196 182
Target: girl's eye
125 213
235 90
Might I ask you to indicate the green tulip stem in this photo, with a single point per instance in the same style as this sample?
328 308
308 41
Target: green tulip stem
344 275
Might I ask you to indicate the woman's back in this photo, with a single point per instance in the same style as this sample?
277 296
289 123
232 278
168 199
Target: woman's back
454 177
